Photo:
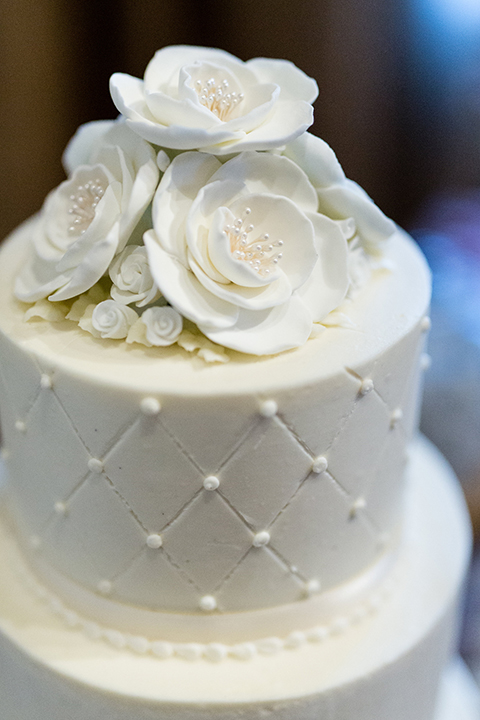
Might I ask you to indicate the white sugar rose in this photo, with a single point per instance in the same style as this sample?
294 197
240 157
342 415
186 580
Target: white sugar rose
240 250
340 198
131 277
202 98
90 217
111 320
163 325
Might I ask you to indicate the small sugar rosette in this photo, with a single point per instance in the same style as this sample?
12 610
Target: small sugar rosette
111 320
131 277
202 98
90 217
163 325
241 250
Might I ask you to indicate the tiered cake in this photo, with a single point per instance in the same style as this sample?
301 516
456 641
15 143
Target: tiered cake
215 508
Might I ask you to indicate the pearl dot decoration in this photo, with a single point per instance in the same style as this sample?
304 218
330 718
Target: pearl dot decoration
150 406
216 96
154 541
260 253
211 483
261 538
268 408
425 361
95 466
426 324
366 386
395 417
208 603
359 504
4 453
60 508
84 202
212 652
45 382
20 426
105 587
312 586
319 464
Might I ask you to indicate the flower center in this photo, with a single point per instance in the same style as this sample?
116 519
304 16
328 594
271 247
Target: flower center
217 98
84 202
260 253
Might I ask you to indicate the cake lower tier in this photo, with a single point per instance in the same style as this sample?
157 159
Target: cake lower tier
387 667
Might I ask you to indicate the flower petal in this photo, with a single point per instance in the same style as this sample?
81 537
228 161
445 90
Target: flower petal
327 285
274 174
184 292
251 298
317 159
349 200
37 280
80 148
93 266
294 83
179 186
266 332
289 120
173 111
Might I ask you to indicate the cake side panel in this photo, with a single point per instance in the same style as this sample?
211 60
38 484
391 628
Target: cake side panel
249 501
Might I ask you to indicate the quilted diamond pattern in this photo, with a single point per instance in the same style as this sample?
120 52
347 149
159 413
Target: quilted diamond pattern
169 479
307 533
260 580
354 452
153 581
207 540
208 428
317 418
246 478
96 537
113 412
56 473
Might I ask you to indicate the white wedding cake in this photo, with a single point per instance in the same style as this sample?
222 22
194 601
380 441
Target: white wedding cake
211 355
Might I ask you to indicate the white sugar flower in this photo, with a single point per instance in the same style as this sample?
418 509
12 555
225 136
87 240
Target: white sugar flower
163 325
89 218
112 320
240 250
202 98
340 198
131 277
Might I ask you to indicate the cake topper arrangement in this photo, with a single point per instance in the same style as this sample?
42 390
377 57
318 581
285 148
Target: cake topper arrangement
205 215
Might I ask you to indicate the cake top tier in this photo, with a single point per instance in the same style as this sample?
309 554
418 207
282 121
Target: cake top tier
205 216
384 311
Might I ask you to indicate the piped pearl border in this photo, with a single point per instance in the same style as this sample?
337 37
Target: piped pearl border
212 652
